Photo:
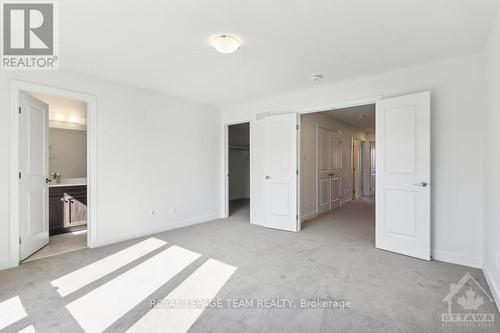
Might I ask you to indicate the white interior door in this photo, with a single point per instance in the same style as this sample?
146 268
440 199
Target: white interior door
280 210
336 169
356 166
365 168
403 175
372 168
33 168
324 170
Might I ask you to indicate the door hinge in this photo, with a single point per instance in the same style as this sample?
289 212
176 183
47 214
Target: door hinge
297 172
19 174
297 217
297 127
19 240
19 110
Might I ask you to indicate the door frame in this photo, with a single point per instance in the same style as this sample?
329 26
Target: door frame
225 198
254 117
330 107
14 224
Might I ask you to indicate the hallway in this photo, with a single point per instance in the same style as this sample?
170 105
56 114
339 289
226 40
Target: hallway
355 221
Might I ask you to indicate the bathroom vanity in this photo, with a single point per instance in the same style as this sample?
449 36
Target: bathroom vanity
67 207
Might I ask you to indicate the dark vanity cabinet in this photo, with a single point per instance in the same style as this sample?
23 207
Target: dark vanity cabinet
67 209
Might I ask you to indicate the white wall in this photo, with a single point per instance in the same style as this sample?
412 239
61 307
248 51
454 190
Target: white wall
492 163
457 141
153 152
308 183
68 153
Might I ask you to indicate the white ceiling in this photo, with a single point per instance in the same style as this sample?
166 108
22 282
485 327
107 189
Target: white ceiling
362 117
163 45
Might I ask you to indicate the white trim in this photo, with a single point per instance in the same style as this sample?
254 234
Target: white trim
298 179
309 216
346 200
5 263
494 289
341 105
225 157
16 87
456 258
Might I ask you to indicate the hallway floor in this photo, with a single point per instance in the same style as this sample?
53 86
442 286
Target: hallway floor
333 258
62 243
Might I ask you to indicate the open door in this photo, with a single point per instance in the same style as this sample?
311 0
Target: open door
33 172
280 187
403 193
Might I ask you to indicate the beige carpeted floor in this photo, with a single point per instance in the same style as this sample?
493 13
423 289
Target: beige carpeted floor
332 258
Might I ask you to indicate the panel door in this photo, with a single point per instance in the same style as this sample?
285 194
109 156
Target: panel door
336 169
324 170
33 168
280 210
403 219
372 168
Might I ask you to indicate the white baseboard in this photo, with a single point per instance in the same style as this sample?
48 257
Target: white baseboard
309 216
170 226
456 258
5 263
494 289
346 200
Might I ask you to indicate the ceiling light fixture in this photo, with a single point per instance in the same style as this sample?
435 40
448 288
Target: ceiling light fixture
225 43
316 77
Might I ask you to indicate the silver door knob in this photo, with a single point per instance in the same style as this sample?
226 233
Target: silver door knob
268 177
422 184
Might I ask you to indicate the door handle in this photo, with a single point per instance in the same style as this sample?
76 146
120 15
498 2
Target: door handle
421 184
268 177
47 180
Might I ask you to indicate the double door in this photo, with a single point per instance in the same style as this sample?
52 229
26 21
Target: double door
329 170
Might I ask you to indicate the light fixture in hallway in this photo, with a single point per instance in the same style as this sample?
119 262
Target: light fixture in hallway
225 43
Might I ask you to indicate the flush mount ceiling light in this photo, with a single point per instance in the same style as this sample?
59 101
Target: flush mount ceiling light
316 77
225 43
